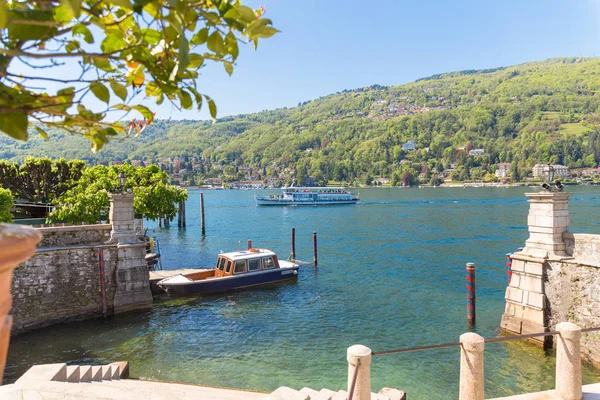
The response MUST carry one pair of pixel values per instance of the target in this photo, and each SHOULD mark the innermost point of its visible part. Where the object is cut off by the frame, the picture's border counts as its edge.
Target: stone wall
(61, 285)
(74, 235)
(61, 282)
(556, 277)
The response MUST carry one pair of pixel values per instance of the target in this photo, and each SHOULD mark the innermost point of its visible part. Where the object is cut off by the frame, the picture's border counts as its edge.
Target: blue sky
(329, 45)
(326, 46)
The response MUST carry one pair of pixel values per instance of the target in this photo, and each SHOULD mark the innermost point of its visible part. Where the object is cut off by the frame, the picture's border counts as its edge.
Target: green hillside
(539, 112)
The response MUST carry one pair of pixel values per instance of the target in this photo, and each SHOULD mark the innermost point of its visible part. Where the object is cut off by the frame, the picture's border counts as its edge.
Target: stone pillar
(526, 303)
(548, 219)
(568, 362)
(17, 244)
(362, 387)
(471, 367)
(132, 279)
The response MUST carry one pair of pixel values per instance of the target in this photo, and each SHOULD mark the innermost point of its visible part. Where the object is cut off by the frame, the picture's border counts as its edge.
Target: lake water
(391, 274)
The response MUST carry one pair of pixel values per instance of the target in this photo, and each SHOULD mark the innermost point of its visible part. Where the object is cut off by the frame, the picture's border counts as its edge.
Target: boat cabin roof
(248, 254)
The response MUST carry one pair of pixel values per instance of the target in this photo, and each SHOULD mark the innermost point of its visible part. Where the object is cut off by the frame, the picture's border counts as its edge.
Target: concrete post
(362, 385)
(568, 362)
(132, 290)
(471, 367)
(548, 219)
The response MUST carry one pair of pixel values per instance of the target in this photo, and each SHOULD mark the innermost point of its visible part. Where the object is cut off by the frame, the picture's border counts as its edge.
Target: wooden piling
(315, 249)
(202, 213)
(184, 216)
(180, 215)
(293, 243)
(471, 294)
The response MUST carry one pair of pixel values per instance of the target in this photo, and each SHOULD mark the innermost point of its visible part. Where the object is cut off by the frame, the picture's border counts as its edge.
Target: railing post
(359, 357)
(471, 367)
(568, 361)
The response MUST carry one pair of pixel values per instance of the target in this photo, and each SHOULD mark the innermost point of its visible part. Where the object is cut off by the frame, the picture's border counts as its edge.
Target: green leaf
(73, 5)
(145, 111)
(184, 54)
(15, 125)
(212, 107)
(215, 42)
(102, 63)
(42, 132)
(151, 36)
(228, 67)
(185, 99)
(200, 37)
(212, 18)
(123, 3)
(63, 13)
(72, 46)
(242, 12)
(232, 45)
(196, 60)
(100, 91)
(113, 42)
(28, 31)
(152, 89)
(264, 32)
(84, 32)
(118, 89)
(3, 15)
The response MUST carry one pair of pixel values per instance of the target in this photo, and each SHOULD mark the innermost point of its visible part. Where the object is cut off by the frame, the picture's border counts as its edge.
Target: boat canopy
(247, 254)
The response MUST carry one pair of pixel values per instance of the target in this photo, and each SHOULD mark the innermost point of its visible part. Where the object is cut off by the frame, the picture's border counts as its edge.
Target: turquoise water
(391, 274)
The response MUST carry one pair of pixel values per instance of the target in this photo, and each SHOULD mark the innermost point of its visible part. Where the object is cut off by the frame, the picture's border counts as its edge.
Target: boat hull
(230, 283)
(280, 202)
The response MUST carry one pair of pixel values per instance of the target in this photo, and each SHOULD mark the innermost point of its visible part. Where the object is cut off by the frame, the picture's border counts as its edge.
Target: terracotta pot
(17, 244)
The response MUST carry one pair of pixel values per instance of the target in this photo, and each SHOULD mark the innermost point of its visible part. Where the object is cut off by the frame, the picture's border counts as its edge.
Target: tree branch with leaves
(125, 50)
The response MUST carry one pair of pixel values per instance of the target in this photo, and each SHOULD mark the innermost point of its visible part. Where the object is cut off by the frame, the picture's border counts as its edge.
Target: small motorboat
(234, 271)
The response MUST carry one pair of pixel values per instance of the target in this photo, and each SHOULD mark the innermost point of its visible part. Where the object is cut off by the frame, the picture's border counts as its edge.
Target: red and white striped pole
(471, 293)
(102, 281)
(509, 265)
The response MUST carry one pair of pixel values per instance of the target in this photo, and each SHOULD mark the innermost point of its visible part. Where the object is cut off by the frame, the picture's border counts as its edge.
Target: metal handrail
(351, 392)
(490, 340)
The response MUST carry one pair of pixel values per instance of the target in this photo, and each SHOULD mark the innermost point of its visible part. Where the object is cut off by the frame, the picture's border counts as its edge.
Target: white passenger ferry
(308, 196)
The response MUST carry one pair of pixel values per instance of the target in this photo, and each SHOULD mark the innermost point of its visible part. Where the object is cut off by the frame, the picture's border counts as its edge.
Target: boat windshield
(221, 263)
(228, 269)
(240, 266)
(268, 263)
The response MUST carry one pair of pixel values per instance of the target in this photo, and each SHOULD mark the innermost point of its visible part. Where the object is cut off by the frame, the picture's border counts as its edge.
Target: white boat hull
(284, 202)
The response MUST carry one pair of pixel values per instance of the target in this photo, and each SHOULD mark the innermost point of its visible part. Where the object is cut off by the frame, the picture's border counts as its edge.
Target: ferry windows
(254, 265)
(229, 264)
(268, 263)
(240, 266)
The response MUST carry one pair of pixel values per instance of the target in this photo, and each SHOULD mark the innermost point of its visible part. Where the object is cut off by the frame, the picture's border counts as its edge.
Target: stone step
(324, 394)
(73, 374)
(85, 373)
(164, 390)
(311, 392)
(393, 394)
(96, 373)
(106, 372)
(286, 393)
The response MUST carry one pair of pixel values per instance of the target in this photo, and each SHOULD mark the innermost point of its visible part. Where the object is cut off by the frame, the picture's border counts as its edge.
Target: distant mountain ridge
(525, 114)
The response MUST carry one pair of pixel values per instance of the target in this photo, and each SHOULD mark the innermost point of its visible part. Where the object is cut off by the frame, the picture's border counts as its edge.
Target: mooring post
(568, 361)
(471, 293)
(202, 213)
(293, 243)
(315, 248)
(167, 222)
(509, 265)
(249, 244)
(180, 215)
(359, 372)
(471, 367)
(183, 219)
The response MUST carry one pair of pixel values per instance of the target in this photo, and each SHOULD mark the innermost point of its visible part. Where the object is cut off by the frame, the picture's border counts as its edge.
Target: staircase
(286, 393)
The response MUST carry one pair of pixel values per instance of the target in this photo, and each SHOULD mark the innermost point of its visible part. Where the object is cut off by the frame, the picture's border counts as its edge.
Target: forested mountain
(539, 112)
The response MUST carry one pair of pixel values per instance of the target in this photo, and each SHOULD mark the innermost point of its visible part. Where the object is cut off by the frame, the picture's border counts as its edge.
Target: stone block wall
(75, 235)
(60, 285)
(573, 295)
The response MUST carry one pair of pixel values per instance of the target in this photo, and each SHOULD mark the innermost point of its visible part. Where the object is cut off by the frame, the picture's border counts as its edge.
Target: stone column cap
(17, 244)
(567, 327)
(359, 352)
(472, 342)
(548, 196)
